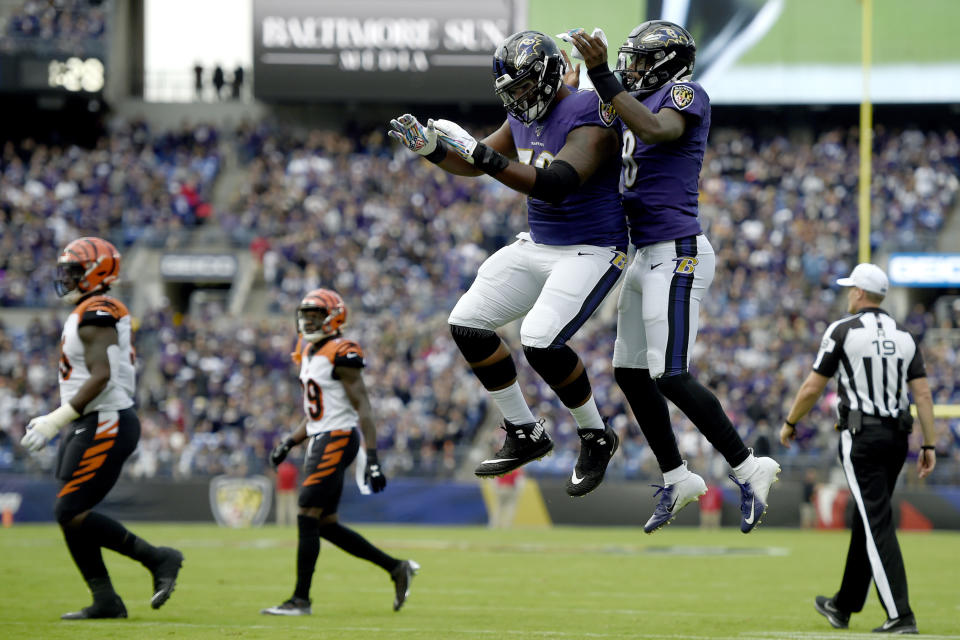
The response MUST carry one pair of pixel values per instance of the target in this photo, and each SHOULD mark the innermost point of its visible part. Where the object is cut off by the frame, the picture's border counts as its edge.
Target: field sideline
(562, 583)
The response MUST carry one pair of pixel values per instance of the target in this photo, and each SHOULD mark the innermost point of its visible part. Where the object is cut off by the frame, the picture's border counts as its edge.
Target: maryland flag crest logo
(607, 113)
(240, 502)
(682, 96)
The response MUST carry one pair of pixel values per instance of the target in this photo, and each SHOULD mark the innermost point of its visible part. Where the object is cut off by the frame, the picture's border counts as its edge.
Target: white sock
(587, 415)
(512, 405)
(676, 475)
(746, 468)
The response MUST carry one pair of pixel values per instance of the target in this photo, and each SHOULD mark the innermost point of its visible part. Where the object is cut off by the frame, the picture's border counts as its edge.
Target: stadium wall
(438, 502)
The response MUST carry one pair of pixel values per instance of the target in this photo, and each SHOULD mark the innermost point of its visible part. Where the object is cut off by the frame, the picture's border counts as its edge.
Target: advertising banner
(376, 50)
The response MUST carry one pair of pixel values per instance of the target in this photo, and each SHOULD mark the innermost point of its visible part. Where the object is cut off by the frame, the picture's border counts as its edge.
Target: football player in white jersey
(335, 404)
(96, 372)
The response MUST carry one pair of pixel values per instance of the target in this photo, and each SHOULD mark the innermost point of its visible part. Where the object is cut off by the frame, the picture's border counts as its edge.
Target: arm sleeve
(554, 183)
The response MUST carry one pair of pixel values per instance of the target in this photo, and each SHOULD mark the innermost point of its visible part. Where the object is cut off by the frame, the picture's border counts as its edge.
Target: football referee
(875, 362)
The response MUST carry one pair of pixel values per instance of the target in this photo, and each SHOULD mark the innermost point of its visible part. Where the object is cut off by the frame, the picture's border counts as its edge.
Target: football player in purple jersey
(558, 145)
(666, 121)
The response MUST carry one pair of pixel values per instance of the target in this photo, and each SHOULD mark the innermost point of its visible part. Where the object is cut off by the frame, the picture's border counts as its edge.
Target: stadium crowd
(135, 185)
(400, 240)
(67, 26)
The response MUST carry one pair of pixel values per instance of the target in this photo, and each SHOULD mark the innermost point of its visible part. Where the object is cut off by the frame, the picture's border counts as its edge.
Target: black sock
(113, 535)
(86, 555)
(650, 408)
(704, 410)
(308, 549)
(355, 544)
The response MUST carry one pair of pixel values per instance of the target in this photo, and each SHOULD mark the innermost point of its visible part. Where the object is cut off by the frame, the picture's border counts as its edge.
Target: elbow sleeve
(556, 182)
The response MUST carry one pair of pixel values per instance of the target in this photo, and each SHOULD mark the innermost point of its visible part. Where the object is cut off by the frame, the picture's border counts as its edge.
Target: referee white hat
(868, 277)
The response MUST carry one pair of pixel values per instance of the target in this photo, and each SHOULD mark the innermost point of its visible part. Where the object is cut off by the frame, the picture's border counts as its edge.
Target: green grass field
(561, 583)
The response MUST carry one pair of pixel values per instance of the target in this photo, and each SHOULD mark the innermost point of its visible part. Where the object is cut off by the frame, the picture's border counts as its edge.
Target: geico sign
(199, 266)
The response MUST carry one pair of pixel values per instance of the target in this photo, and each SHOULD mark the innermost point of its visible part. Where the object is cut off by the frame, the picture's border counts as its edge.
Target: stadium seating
(400, 240)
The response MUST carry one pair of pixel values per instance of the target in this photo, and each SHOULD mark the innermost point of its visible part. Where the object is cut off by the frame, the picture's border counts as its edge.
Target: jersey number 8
(629, 164)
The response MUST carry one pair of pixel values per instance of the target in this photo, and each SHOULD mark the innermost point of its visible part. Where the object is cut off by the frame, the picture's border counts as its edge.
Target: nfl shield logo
(682, 95)
(240, 502)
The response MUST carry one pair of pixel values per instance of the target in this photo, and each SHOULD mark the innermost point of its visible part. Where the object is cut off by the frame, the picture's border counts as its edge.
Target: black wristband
(437, 155)
(605, 82)
(488, 160)
(928, 447)
(792, 425)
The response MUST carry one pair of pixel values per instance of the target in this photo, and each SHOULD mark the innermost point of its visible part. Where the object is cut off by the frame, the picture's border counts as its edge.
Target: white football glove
(575, 54)
(42, 429)
(413, 135)
(456, 138)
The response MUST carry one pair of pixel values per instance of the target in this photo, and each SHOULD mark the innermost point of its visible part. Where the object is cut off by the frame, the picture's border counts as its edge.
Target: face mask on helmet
(528, 73)
(69, 275)
(86, 266)
(310, 323)
(655, 53)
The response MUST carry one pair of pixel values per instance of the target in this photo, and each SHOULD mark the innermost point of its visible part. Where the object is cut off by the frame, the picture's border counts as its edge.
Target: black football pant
(872, 460)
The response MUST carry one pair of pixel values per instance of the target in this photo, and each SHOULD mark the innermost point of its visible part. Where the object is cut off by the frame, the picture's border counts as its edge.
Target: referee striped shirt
(874, 359)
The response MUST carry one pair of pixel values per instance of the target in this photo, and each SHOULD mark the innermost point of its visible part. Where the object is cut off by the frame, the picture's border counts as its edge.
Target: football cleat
(165, 575)
(828, 609)
(903, 624)
(402, 576)
(292, 607)
(524, 443)
(108, 608)
(596, 449)
(673, 498)
(753, 492)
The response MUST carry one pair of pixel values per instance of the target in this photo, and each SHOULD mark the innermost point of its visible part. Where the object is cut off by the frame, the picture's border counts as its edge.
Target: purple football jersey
(660, 181)
(593, 214)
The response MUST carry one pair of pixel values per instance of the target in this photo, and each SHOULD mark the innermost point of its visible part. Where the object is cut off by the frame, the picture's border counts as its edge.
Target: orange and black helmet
(321, 313)
(86, 265)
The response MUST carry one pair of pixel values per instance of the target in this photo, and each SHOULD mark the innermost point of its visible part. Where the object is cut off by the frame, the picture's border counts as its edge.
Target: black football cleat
(596, 449)
(402, 576)
(99, 610)
(524, 443)
(165, 575)
(903, 624)
(293, 607)
(828, 609)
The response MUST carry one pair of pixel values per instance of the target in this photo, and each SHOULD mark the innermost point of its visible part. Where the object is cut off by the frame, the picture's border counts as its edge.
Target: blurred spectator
(198, 80)
(236, 83)
(507, 490)
(808, 510)
(286, 494)
(711, 506)
(218, 81)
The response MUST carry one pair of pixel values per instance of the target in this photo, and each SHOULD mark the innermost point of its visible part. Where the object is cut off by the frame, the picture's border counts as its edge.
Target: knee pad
(635, 380)
(475, 344)
(555, 366)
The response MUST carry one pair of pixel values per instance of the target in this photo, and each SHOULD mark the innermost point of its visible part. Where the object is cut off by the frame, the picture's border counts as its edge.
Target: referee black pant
(872, 460)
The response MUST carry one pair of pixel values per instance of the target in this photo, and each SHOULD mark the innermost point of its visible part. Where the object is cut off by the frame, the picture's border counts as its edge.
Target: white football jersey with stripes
(325, 402)
(73, 371)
